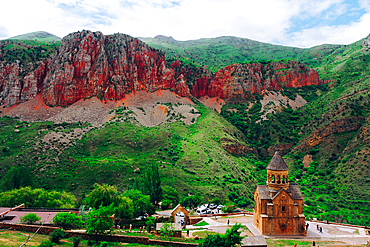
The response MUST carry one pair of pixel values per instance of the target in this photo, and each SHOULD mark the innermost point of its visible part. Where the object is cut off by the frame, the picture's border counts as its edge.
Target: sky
(299, 23)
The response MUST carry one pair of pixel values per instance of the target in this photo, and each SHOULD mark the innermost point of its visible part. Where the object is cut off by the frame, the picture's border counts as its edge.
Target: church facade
(278, 204)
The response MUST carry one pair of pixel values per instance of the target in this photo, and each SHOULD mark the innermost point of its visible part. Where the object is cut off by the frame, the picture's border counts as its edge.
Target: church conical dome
(277, 163)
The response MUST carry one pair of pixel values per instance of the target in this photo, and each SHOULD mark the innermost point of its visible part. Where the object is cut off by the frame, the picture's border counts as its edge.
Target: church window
(273, 178)
(278, 179)
(282, 208)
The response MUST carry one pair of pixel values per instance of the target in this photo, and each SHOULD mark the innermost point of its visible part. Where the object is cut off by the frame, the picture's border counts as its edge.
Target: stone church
(278, 204)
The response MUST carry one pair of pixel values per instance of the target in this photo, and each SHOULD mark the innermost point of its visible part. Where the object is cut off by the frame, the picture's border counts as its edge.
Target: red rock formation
(234, 147)
(14, 88)
(91, 64)
(336, 126)
(238, 80)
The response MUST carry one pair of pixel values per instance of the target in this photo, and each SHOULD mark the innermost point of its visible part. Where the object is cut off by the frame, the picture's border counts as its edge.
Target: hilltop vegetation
(216, 53)
(40, 36)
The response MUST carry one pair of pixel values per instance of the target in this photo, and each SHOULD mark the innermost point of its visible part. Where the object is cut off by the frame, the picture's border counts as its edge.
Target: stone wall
(46, 230)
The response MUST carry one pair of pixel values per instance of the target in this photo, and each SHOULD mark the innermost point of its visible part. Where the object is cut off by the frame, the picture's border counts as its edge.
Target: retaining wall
(46, 230)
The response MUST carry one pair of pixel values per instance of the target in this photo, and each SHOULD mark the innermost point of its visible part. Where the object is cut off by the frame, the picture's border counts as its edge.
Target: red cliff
(91, 64)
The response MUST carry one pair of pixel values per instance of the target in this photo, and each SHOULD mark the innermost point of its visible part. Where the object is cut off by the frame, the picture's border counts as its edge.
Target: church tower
(278, 204)
(277, 173)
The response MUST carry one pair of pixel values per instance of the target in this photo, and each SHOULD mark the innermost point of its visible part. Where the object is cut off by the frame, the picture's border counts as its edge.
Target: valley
(100, 109)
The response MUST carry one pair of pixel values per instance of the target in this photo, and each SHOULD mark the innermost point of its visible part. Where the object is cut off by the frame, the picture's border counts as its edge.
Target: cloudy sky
(300, 23)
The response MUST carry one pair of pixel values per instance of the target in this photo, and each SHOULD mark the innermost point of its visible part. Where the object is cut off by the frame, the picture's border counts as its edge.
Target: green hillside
(216, 53)
(38, 36)
(190, 157)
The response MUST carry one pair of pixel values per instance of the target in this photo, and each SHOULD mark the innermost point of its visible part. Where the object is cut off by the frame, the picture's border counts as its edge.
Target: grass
(202, 223)
(203, 234)
(190, 157)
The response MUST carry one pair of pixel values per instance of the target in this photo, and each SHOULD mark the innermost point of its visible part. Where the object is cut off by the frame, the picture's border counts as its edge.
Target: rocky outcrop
(283, 148)
(366, 42)
(336, 126)
(234, 147)
(239, 80)
(109, 67)
(14, 88)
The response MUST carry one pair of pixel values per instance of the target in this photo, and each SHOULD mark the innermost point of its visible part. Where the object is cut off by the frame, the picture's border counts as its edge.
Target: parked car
(202, 211)
(237, 211)
(212, 206)
(220, 206)
(180, 214)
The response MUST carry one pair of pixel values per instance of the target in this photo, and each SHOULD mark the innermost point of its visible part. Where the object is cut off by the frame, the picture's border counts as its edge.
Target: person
(313, 243)
(320, 229)
(307, 225)
(317, 227)
(228, 222)
(187, 233)
(295, 244)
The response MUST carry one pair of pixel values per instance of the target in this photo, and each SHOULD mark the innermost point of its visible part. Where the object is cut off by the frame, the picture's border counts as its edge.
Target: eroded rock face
(239, 80)
(234, 147)
(14, 88)
(283, 148)
(110, 67)
(336, 126)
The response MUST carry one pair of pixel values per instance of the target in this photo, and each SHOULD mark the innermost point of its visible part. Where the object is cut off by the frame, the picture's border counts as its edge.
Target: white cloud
(264, 20)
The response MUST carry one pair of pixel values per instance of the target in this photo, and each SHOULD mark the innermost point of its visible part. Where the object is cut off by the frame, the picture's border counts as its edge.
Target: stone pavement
(331, 232)
(347, 234)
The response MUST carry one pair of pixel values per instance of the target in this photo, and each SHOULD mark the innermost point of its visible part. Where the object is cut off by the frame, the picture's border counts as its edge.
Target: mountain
(219, 52)
(37, 36)
(91, 64)
(107, 105)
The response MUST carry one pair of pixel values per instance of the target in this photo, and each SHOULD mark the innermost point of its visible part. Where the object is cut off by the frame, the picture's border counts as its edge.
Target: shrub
(30, 218)
(76, 241)
(46, 244)
(150, 221)
(68, 220)
(57, 235)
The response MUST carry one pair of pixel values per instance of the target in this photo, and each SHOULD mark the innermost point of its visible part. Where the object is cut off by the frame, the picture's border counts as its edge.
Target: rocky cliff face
(336, 126)
(91, 64)
(239, 80)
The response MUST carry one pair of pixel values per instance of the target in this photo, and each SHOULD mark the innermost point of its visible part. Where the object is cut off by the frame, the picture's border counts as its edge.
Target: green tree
(150, 221)
(16, 178)
(152, 185)
(57, 235)
(213, 240)
(30, 218)
(105, 195)
(167, 229)
(37, 198)
(171, 195)
(68, 220)
(191, 201)
(99, 221)
(230, 239)
(141, 202)
(232, 236)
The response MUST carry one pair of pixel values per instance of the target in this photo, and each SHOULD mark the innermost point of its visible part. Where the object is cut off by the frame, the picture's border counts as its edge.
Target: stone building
(278, 204)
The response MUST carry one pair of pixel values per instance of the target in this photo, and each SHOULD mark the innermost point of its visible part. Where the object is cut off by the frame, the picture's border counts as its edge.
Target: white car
(220, 206)
(202, 211)
(180, 214)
